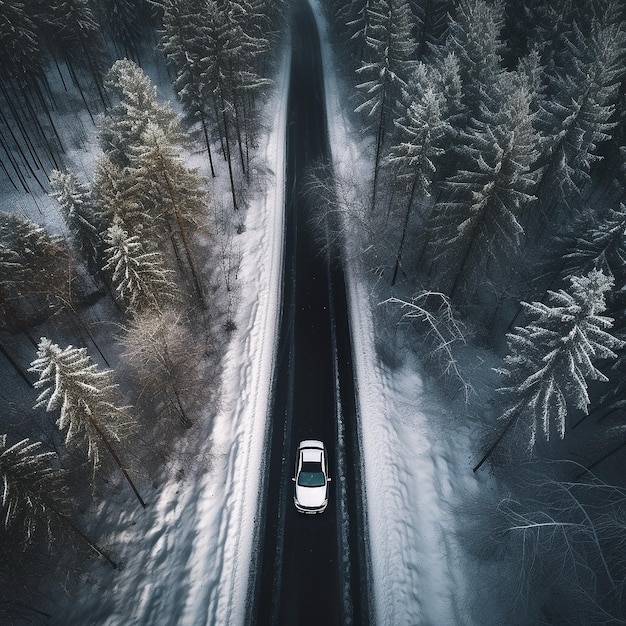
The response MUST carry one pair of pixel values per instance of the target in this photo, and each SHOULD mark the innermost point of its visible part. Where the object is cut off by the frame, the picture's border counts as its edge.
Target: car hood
(311, 496)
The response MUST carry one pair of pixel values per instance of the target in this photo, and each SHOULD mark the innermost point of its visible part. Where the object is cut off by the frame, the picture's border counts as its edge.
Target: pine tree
(480, 217)
(474, 39)
(421, 132)
(34, 491)
(34, 268)
(431, 17)
(114, 194)
(601, 245)
(552, 357)
(122, 129)
(75, 36)
(576, 113)
(21, 57)
(163, 181)
(183, 41)
(390, 44)
(86, 398)
(140, 278)
(81, 217)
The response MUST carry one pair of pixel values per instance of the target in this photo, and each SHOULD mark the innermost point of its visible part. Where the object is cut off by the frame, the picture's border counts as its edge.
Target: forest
(494, 225)
(494, 229)
(114, 316)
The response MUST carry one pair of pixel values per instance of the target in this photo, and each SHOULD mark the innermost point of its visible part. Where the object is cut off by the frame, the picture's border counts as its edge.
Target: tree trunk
(496, 443)
(70, 524)
(404, 230)
(117, 460)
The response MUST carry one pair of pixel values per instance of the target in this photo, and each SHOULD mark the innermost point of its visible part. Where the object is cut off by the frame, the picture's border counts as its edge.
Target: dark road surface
(310, 568)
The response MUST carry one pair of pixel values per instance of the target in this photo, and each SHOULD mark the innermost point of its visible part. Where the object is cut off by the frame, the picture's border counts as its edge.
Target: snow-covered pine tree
(354, 17)
(421, 134)
(123, 21)
(479, 218)
(34, 492)
(601, 245)
(140, 278)
(431, 17)
(21, 57)
(87, 399)
(183, 41)
(576, 112)
(124, 125)
(474, 39)
(114, 195)
(390, 45)
(34, 268)
(552, 357)
(81, 216)
(162, 181)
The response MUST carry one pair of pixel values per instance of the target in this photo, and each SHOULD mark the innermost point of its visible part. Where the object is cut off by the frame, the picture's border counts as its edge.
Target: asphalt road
(311, 569)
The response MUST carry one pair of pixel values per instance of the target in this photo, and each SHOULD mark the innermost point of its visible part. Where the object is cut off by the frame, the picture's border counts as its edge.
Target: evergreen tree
(140, 278)
(21, 57)
(552, 357)
(474, 39)
(34, 268)
(33, 491)
(122, 20)
(431, 17)
(75, 36)
(164, 182)
(601, 245)
(122, 129)
(86, 398)
(81, 216)
(480, 218)
(390, 45)
(113, 194)
(576, 113)
(421, 133)
(183, 41)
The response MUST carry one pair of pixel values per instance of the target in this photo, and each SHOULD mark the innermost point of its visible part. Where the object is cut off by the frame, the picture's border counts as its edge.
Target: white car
(311, 490)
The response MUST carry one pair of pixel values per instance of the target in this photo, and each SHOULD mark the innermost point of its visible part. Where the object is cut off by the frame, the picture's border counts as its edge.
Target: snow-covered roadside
(415, 453)
(185, 559)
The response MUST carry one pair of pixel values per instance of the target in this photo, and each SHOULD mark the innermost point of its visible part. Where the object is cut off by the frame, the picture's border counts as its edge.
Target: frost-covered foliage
(35, 268)
(483, 209)
(384, 71)
(126, 122)
(164, 355)
(580, 101)
(140, 278)
(81, 216)
(552, 357)
(85, 396)
(602, 245)
(33, 489)
(474, 39)
(421, 140)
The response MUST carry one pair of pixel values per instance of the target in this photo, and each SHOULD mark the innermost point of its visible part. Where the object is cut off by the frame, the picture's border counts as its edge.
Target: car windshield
(311, 475)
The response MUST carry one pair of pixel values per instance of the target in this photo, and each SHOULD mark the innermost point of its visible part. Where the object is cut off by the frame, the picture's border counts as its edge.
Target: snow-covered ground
(185, 558)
